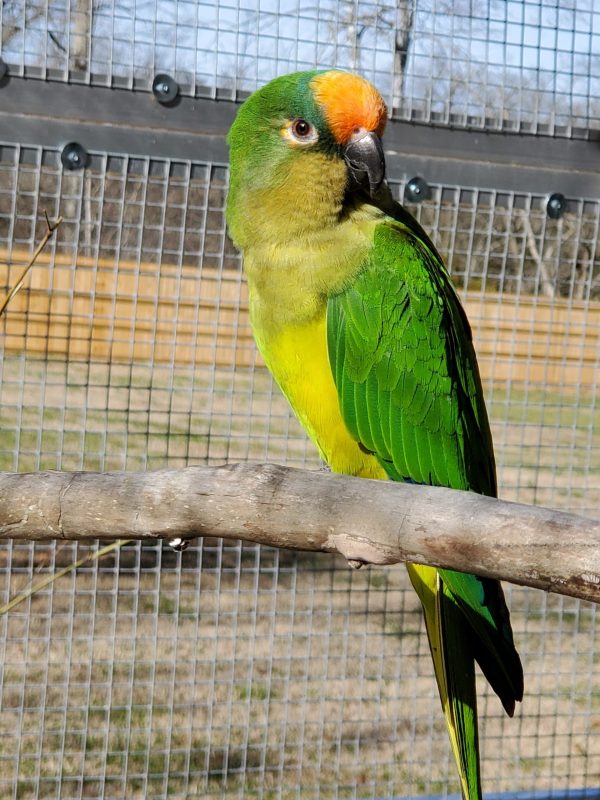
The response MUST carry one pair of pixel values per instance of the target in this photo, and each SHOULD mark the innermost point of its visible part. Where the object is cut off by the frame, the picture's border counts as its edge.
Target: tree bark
(372, 522)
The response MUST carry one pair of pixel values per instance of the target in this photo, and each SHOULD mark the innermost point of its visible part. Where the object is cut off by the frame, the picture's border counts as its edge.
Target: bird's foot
(355, 563)
(178, 544)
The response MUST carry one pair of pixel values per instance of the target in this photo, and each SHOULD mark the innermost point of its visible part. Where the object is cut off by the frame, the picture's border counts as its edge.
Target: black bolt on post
(556, 205)
(165, 89)
(74, 156)
(416, 190)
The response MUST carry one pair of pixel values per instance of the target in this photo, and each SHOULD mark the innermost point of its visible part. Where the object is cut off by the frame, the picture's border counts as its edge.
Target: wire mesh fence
(517, 65)
(232, 670)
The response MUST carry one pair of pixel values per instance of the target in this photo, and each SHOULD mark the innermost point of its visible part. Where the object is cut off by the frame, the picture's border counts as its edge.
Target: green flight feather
(482, 601)
(461, 678)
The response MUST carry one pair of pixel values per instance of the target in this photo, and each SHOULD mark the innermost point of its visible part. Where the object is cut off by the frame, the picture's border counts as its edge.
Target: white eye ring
(302, 132)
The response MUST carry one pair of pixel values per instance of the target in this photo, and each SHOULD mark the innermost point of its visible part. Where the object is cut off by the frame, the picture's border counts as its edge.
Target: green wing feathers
(409, 388)
(405, 369)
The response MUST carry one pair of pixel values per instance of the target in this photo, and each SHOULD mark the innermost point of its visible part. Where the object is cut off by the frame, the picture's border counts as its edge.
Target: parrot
(357, 319)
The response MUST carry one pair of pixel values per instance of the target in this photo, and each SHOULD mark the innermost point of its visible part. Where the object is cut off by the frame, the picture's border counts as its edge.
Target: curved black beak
(366, 162)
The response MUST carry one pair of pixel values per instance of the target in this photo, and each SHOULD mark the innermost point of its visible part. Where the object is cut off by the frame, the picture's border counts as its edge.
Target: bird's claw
(178, 544)
(355, 563)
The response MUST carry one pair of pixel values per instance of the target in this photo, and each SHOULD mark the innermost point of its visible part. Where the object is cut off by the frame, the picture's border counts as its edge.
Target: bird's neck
(290, 280)
(301, 242)
(293, 200)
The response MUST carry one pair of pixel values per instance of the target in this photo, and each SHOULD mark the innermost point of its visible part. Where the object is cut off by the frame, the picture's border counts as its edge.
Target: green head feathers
(287, 151)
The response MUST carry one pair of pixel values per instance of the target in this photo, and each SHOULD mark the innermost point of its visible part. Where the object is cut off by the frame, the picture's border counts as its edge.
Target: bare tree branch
(15, 19)
(584, 267)
(82, 12)
(402, 40)
(56, 42)
(373, 522)
(50, 228)
(546, 281)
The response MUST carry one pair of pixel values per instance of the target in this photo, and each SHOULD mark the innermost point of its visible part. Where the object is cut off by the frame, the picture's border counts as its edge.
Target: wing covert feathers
(405, 369)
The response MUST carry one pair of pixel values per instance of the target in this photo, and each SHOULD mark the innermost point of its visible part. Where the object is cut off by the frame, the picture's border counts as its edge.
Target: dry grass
(244, 676)
(253, 673)
(115, 416)
(78, 415)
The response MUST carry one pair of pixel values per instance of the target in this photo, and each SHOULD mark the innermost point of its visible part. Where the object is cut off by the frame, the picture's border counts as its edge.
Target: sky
(510, 59)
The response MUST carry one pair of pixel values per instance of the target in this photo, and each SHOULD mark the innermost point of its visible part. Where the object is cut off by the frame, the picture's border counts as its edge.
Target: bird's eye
(301, 128)
(303, 131)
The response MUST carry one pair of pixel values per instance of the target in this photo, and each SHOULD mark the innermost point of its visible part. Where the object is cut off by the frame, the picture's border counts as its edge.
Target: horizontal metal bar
(114, 120)
(504, 162)
(539, 794)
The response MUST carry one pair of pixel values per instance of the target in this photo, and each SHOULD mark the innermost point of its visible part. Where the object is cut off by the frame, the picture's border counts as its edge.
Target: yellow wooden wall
(101, 310)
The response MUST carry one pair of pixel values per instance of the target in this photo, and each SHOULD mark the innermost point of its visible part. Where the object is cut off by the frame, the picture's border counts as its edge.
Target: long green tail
(454, 666)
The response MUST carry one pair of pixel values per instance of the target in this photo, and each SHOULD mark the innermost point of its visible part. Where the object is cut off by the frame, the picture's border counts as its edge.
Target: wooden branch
(372, 522)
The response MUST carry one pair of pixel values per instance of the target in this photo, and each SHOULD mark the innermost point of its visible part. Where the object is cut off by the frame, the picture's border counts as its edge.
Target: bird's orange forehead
(349, 102)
